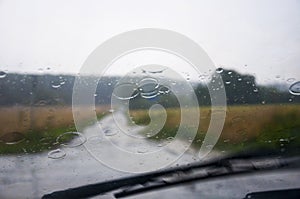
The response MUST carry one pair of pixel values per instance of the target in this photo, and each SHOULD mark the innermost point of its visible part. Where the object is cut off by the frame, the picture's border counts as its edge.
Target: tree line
(38, 90)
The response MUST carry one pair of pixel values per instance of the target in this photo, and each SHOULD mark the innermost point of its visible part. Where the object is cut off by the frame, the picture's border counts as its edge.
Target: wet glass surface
(151, 109)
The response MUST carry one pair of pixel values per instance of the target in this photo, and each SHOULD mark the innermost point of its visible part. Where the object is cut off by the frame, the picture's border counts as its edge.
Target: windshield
(94, 91)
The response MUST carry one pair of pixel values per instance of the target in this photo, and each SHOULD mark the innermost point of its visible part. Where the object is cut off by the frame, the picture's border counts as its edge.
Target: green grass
(279, 132)
(36, 141)
(283, 133)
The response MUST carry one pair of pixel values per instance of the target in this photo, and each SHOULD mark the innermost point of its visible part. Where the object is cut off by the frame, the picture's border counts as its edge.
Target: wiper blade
(241, 163)
(227, 169)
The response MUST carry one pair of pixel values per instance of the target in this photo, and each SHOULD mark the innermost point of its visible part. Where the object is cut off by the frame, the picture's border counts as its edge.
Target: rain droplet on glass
(94, 140)
(125, 91)
(148, 88)
(12, 138)
(56, 154)
(295, 88)
(219, 70)
(71, 139)
(2, 74)
(109, 132)
(291, 80)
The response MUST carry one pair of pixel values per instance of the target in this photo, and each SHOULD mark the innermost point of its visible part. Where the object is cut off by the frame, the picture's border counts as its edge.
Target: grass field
(271, 125)
(35, 129)
(23, 119)
(275, 126)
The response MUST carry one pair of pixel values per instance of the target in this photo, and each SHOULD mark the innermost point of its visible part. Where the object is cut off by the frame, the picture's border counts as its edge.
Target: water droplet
(148, 84)
(239, 79)
(148, 87)
(125, 91)
(109, 132)
(156, 71)
(295, 88)
(255, 90)
(2, 74)
(160, 145)
(94, 140)
(291, 80)
(277, 76)
(149, 95)
(142, 150)
(229, 72)
(204, 77)
(41, 103)
(95, 95)
(170, 139)
(12, 138)
(55, 85)
(111, 110)
(56, 154)
(227, 82)
(198, 141)
(219, 70)
(164, 90)
(71, 139)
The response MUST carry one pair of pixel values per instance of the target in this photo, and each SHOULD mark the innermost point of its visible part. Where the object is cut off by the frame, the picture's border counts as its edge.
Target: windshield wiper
(241, 163)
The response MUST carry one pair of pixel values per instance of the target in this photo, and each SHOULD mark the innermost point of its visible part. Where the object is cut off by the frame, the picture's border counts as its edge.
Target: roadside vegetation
(274, 126)
(36, 109)
(35, 129)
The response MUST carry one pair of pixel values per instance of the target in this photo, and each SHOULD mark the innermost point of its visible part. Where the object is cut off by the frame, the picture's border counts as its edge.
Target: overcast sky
(264, 35)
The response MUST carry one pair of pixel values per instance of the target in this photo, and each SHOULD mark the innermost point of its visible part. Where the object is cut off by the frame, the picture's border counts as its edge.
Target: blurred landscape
(35, 109)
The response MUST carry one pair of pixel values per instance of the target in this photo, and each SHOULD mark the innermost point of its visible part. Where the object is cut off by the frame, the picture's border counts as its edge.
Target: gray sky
(262, 34)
